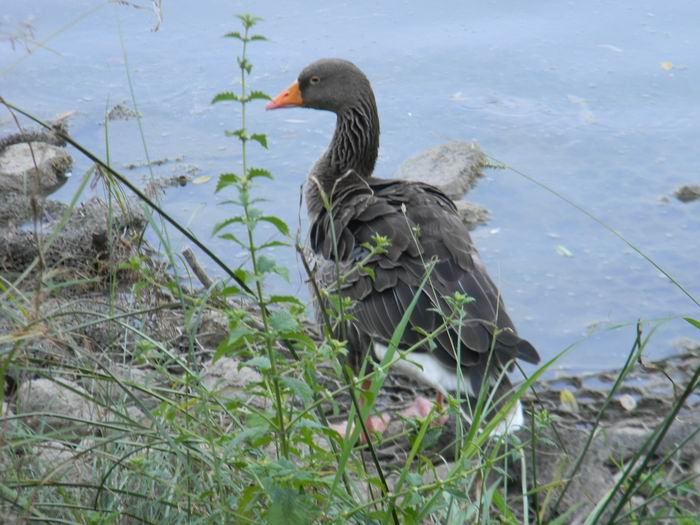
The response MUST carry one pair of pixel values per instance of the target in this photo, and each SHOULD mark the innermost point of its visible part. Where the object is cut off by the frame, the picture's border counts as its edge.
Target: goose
(348, 208)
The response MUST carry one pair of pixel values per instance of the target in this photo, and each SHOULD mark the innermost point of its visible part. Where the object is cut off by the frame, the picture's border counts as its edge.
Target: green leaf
(694, 322)
(240, 133)
(230, 291)
(272, 244)
(234, 34)
(259, 138)
(299, 388)
(283, 321)
(221, 225)
(259, 172)
(261, 362)
(248, 20)
(289, 508)
(285, 299)
(265, 264)
(236, 339)
(225, 96)
(277, 223)
(225, 180)
(242, 274)
(231, 237)
(257, 38)
(257, 95)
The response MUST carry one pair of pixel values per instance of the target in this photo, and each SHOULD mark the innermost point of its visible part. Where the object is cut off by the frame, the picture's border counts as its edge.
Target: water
(594, 99)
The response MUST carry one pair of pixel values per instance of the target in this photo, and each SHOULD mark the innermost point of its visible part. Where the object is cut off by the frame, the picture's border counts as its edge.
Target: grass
(135, 427)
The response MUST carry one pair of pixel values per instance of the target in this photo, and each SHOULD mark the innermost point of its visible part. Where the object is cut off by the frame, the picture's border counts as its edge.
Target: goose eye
(314, 80)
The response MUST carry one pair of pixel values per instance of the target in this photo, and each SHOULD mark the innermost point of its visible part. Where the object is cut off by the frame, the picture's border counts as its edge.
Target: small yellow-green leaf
(667, 66)
(568, 400)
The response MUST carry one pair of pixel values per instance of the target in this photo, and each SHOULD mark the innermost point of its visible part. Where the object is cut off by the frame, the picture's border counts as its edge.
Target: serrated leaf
(283, 321)
(248, 20)
(277, 223)
(257, 95)
(260, 362)
(260, 139)
(225, 96)
(257, 38)
(568, 400)
(226, 179)
(693, 322)
(299, 388)
(259, 172)
(234, 34)
(201, 180)
(223, 224)
(284, 299)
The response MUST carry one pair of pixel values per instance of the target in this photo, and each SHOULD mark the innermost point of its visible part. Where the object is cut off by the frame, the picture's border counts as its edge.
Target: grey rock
(80, 244)
(228, 381)
(22, 166)
(452, 167)
(110, 391)
(16, 209)
(51, 401)
(472, 214)
(55, 461)
(688, 192)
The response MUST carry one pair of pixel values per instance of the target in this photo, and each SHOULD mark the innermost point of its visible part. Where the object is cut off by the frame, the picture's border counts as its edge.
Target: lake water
(598, 100)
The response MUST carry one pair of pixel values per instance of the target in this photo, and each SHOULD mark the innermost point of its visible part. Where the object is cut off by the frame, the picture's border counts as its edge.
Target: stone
(224, 378)
(452, 167)
(688, 193)
(18, 168)
(51, 400)
(110, 391)
(472, 214)
(55, 461)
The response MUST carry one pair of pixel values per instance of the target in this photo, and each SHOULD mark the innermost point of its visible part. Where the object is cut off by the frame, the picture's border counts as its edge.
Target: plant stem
(245, 202)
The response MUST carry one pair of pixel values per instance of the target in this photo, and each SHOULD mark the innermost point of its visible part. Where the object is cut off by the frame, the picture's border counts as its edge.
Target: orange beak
(289, 98)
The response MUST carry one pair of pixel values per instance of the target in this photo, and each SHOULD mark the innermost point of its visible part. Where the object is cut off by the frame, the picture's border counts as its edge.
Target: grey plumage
(422, 225)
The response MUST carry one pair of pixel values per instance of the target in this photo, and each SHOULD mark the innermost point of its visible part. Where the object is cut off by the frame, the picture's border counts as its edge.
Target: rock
(54, 461)
(49, 400)
(472, 214)
(213, 328)
(81, 244)
(110, 391)
(18, 169)
(226, 380)
(16, 209)
(688, 192)
(452, 167)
